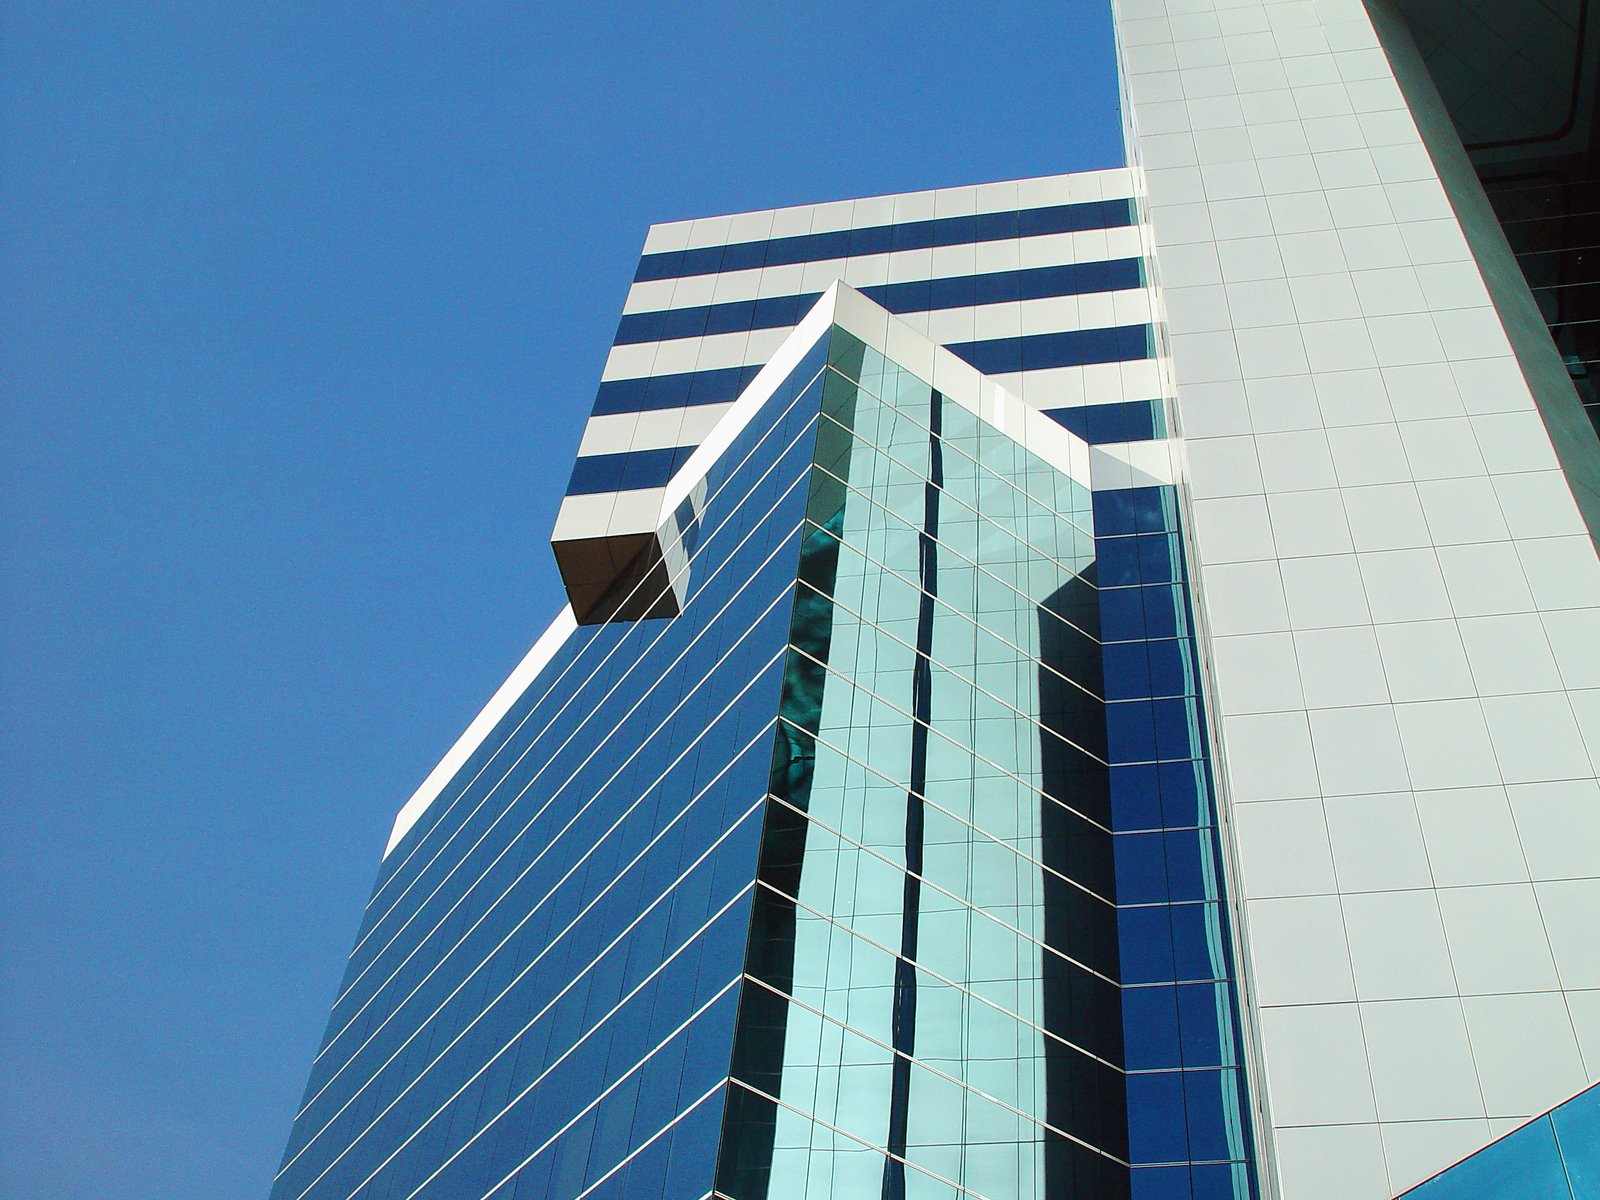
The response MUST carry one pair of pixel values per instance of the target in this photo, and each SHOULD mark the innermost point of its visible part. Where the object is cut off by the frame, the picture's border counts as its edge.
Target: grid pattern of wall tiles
(1400, 597)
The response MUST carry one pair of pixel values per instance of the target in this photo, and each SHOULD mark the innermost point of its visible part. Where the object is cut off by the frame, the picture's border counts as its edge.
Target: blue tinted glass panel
(1221, 1181)
(1577, 1126)
(1523, 1165)
(1556, 1155)
(1072, 348)
(626, 472)
(1141, 868)
(1145, 936)
(1157, 1121)
(1205, 1021)
(1150, 1024)
(1161, 1183)
(672, 391)
(1133, 510)
(1136, 797)
(1125, 421)
(1165, 858)
(554, 945)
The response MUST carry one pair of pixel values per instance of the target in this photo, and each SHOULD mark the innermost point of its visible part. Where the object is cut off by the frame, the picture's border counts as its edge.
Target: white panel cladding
(654, 429)
(1395, 576)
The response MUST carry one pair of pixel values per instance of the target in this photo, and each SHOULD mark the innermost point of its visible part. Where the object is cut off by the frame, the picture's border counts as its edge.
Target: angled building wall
(887, 864)
(1387, 485)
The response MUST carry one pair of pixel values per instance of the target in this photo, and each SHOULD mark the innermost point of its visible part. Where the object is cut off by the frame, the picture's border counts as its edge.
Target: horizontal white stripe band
(1015, 318)
(653, 429)
(901, 266)
(1082, 187)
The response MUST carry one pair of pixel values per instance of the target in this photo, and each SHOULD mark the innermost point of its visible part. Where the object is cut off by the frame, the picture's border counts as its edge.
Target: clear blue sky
(301, 311)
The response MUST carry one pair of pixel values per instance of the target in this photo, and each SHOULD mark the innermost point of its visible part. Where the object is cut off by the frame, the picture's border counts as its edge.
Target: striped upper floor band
(1068, 348)
(916, 296)
(1119, 421)
(885, 239)
(650, 393)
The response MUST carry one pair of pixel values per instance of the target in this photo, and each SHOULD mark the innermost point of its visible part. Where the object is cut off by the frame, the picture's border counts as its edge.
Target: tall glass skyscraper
(1079, 687)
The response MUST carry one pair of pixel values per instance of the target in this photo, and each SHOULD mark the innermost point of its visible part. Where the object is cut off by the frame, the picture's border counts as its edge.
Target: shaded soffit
(1517, 76)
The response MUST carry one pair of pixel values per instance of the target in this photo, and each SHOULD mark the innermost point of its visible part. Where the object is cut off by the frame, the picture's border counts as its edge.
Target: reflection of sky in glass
(968, 608)
(545, 985)
(1555, 1157)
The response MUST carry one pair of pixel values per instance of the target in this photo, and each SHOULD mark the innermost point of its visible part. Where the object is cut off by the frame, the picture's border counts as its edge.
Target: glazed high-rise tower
(1078, 687)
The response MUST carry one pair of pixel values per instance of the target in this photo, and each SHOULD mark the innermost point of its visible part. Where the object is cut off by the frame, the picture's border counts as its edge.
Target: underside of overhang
(1521, 82)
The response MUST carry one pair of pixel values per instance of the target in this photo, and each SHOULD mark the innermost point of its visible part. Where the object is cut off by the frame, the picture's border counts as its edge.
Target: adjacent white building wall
(1401, 600)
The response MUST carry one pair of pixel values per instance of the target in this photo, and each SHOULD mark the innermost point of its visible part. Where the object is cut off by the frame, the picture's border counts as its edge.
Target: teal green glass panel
(939, 793)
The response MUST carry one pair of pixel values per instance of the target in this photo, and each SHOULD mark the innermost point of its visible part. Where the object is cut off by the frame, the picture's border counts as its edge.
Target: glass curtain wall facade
(874, 870)
(1188, 1096)
(1040, 284)
(932, 1007)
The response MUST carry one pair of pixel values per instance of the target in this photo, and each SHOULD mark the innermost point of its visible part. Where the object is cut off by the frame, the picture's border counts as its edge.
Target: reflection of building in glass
(946, 781)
